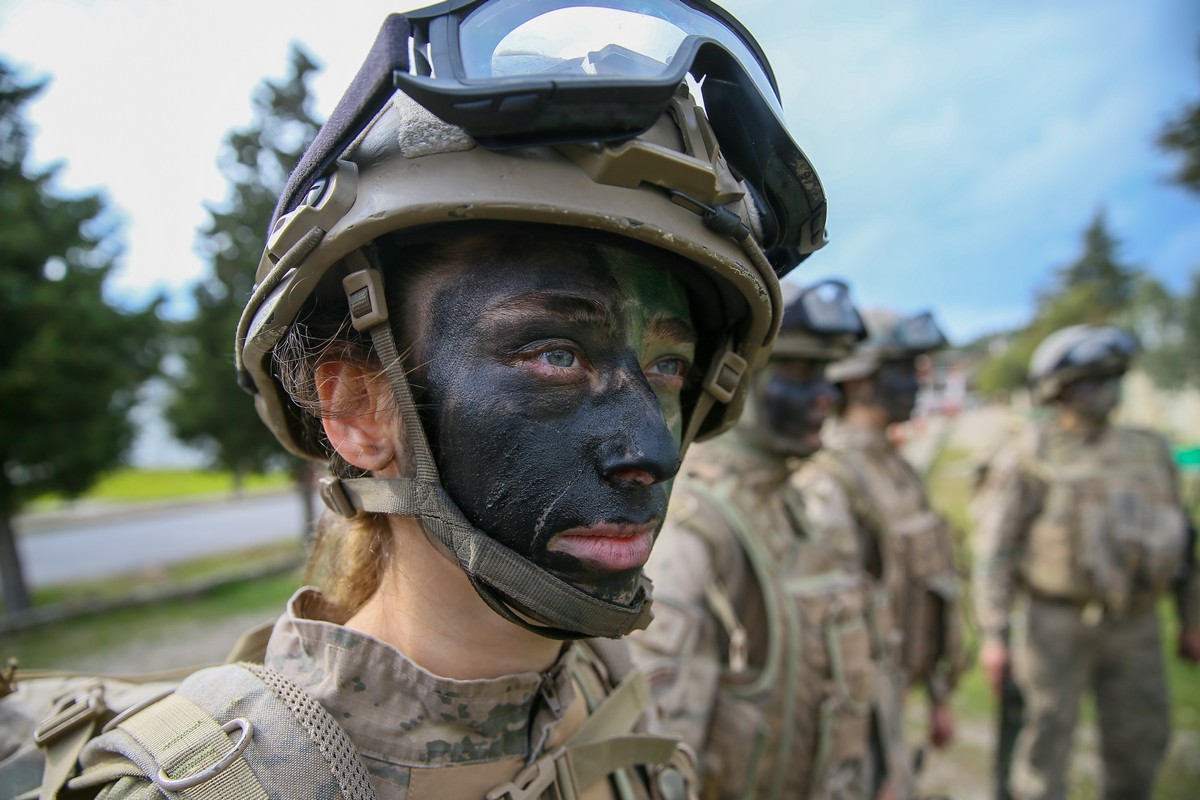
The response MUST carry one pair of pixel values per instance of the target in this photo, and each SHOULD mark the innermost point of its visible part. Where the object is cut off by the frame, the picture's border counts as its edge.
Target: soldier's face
(795, 399)
(1094, 398)
(896, 388)
(551, 397)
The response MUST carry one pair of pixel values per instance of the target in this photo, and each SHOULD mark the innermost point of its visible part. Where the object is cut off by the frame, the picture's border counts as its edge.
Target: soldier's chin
(614, 587)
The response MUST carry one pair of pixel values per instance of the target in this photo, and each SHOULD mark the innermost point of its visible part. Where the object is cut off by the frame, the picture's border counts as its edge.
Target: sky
(964, 147)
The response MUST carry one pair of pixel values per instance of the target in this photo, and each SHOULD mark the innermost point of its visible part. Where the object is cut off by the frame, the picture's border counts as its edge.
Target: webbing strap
(185, 740)
(62, 758)
(487, 560)
(604, 744)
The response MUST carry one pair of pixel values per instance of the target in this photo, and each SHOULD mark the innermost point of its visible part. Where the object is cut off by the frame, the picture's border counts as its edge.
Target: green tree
(71, 362)
(1182, 136)
(1094, 288)
(207, 408)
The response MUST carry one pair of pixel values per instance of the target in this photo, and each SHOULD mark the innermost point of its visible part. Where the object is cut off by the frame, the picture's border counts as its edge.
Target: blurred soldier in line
(759, 654)
(861, 491)
(1080, 527)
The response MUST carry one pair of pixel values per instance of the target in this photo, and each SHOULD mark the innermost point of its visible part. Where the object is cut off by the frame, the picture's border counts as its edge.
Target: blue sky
(963, 146)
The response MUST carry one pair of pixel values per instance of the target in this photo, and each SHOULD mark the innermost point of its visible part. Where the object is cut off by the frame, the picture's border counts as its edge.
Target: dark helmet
(1075, 352)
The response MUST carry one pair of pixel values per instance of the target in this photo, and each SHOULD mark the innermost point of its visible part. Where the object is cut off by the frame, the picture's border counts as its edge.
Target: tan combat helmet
(1075, 352)
(385, 163)
(889, 337)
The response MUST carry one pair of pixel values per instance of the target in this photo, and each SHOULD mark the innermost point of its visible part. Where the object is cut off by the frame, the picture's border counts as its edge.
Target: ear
(358, 415)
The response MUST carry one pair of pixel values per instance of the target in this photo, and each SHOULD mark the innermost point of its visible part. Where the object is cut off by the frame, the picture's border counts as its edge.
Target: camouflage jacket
(1029, 508)
(405, 732)
(861, 493)
(737, 655)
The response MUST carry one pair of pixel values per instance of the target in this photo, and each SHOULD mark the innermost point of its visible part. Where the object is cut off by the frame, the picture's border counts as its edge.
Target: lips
(608, 545)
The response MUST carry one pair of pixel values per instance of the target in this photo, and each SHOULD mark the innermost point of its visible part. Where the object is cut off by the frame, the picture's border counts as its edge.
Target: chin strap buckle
(725, 375)
(334, 496)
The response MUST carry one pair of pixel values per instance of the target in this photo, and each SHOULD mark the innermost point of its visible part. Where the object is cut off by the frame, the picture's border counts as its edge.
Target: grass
(140, 485)
(65, 644)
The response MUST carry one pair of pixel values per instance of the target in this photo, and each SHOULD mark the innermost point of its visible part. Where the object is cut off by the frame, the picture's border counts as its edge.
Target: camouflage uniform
(416, 734)
(746, 605)
(859, 491)
(1082, 533)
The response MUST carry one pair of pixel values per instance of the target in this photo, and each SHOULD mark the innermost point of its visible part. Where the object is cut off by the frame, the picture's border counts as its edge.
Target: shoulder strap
(192, 740)
(605, 744)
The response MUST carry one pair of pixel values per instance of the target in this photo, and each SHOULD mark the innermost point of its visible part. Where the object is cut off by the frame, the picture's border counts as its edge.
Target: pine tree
(208, 408)
(1093, 289)
(71, 363)
(1182, 136)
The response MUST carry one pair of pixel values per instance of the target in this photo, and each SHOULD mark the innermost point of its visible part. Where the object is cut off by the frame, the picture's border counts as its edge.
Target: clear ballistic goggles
(516, 73)
(918, 333)
(825, 309)
(1102, 344)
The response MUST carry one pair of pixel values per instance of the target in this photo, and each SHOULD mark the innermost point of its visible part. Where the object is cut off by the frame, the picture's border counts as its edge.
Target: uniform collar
(396, 711)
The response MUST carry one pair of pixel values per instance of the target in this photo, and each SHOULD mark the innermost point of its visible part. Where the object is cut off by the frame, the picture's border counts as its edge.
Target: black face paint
(896, 386)
(794, 400)
(1093, 397)
(552, 403)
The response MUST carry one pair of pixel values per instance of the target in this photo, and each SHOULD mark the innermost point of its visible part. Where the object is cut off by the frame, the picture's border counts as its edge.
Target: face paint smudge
(562, 411)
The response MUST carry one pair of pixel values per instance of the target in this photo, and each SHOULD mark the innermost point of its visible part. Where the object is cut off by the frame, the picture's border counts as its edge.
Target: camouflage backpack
(919, 571)
(791, 721)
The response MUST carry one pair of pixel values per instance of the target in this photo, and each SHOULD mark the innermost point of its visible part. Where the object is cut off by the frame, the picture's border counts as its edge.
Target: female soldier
(512, 278)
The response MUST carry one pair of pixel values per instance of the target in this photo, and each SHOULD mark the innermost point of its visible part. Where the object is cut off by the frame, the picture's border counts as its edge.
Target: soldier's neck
(866, 416)
(426, 608)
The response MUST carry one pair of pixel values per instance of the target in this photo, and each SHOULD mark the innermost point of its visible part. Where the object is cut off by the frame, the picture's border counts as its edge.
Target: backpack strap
(605, 744)
(198, 742)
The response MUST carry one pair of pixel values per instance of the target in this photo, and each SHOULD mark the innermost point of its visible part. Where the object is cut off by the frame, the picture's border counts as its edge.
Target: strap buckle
(364, 290)
(245, 733)
(725, 375)
(552, 769)
(69, 713)
(334, 496)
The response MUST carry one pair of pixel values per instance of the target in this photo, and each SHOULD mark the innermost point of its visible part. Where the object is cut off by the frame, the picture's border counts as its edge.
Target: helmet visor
(1102, 345)
(514, 73)
(919, 333)
(825, 308)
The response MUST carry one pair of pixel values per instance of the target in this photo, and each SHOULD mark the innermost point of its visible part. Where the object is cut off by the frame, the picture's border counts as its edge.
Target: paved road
(119, 543)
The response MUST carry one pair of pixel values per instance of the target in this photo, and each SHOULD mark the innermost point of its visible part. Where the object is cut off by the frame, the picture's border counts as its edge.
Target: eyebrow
(672, 329)
(572, 308)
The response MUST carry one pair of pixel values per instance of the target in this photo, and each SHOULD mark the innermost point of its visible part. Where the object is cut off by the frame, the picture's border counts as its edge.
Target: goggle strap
(370, 90)
(501, 577)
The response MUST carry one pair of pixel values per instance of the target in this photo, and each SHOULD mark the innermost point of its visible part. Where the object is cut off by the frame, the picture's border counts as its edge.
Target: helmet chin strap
(514, 587)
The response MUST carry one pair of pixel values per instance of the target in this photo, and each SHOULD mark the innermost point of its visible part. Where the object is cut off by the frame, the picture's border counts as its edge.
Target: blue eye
(669, 366)
(558, 358)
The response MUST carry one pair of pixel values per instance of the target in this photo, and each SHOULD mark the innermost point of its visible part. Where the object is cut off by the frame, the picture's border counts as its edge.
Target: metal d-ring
(173, 785)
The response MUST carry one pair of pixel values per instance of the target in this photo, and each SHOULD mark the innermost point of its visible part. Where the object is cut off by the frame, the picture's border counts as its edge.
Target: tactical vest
(1111, 529)
(791, 718)
(917, 547)
(242, 731)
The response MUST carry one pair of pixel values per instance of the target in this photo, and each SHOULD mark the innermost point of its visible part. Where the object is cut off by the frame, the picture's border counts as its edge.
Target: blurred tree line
(73, 361)
(1098, 287)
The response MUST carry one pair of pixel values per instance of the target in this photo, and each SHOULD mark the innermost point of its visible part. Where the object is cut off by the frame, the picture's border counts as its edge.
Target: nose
(640, 450)
(825, 396)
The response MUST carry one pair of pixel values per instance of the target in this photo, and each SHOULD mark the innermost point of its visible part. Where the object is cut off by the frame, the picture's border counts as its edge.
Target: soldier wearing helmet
(860, 491)
(759, 655)
(516, 274)
(1079, 532)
